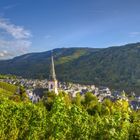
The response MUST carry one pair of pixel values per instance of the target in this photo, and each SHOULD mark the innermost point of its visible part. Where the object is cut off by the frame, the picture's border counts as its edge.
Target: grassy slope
(5, 93)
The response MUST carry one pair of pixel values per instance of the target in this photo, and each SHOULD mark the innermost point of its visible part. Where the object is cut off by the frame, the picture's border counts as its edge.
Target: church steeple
(52, 83)
(52, 72)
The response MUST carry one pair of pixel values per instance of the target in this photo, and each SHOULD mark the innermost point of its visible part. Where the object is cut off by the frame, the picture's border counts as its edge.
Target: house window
(51, 86)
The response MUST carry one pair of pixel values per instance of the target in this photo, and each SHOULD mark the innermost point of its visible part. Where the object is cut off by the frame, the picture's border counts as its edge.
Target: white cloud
(4, 54)
(134, 34)
(11, 6)
(14, 40)
(17, 32)
(48, 36)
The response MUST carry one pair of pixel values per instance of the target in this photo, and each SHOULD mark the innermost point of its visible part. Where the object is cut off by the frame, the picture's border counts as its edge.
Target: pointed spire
(53, 75)
(52, 83)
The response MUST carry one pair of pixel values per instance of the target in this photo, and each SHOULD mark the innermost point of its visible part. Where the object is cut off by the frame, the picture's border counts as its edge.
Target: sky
(41, 25)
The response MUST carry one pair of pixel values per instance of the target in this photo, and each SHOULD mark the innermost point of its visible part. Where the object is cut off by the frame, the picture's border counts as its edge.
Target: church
(53, 83)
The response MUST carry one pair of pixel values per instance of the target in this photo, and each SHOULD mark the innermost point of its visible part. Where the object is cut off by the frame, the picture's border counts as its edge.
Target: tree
(58, 121)
(78, 100)
(48, 100)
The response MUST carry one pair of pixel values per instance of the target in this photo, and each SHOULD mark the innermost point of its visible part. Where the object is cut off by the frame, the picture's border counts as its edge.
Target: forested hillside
(116, 67)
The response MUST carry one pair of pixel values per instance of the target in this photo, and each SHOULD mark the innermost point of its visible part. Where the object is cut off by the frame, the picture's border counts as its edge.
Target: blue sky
(41, 25)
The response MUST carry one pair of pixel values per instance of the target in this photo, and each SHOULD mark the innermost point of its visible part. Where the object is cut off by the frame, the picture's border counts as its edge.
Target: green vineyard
(8, 87)
(60, 118)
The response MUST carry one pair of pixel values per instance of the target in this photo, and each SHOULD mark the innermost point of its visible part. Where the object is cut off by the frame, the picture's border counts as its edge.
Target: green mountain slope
(37, 65)
(117, 67)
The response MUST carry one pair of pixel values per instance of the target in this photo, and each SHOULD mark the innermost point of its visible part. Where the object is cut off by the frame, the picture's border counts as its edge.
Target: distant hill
(117, 67)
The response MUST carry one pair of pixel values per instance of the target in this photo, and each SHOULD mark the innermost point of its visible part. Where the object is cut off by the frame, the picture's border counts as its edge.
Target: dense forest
(64, 118)
(115, 67)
